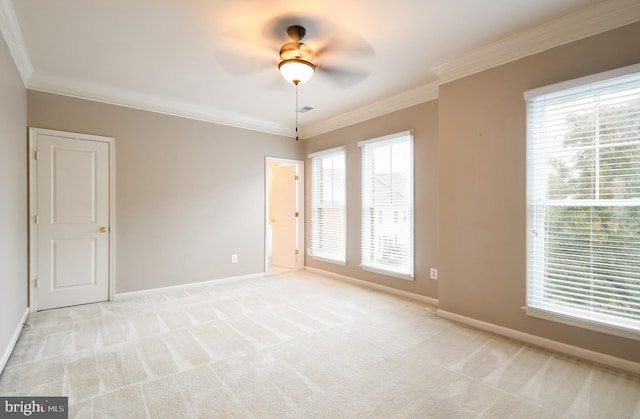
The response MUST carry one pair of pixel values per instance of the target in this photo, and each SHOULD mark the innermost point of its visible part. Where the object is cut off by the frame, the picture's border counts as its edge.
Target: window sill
(582, 323)
(406, 277)
(327, 260)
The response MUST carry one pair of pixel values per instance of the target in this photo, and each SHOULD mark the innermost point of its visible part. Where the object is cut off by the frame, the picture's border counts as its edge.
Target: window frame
(370, 221)
(537, 304)
(314, 252)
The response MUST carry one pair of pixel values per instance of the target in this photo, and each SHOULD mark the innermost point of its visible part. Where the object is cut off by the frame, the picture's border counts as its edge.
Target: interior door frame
(301, 218)
(33, 228)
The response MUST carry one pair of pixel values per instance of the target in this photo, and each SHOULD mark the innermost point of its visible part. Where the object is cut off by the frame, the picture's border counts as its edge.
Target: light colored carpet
(301, 346)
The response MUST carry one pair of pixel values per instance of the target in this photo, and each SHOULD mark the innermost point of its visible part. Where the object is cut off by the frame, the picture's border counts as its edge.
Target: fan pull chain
(296, 111)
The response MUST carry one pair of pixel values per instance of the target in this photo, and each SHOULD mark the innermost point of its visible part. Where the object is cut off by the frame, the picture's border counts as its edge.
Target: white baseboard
(134, 294)
(13, 341)
(597, 357)
(388, 290)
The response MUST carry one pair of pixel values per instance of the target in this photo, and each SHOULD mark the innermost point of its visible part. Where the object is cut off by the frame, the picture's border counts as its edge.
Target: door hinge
(36, 154)
(297, 214)
(297, 177)
(37, 282)
(36, 219)
(297, 251)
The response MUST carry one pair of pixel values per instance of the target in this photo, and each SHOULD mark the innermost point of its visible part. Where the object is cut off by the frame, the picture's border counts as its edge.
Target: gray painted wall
(188, 193)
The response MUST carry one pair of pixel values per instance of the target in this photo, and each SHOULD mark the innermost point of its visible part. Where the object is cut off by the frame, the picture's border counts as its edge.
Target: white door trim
(301, 218)
(33, 238)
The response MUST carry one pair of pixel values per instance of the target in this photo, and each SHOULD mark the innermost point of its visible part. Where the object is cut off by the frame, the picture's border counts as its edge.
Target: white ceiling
(215, 60)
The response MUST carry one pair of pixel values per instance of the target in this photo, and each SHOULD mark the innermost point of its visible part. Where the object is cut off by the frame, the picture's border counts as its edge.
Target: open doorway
(284, 233)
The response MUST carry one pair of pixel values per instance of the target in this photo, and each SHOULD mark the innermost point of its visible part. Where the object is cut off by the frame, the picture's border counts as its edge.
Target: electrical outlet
(234, 258)
(434, 273)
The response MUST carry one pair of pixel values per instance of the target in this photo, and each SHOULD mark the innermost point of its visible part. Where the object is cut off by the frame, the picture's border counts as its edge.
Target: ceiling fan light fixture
(296, 71)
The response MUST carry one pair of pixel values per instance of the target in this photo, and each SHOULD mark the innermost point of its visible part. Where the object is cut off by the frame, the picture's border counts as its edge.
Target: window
(583, 202)
(328, 216)
(387, 187)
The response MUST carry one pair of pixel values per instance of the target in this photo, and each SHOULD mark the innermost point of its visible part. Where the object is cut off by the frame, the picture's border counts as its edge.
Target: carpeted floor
(301, 346)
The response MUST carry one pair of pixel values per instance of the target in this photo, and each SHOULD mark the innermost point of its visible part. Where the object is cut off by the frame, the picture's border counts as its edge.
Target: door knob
(104, 229)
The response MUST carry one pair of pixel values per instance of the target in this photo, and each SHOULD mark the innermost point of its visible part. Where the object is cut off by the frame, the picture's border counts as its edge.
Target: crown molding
(580, 24)
(390, 104)
(10, 29)
(137, 100)
(592, 20)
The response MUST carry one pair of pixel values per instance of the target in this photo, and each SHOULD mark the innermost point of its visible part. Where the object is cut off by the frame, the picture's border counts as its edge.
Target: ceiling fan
(333, 53)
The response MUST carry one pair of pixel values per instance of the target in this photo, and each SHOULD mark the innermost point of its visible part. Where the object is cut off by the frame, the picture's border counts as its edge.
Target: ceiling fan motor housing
(296, 63)
(296, 51)
(296, 32)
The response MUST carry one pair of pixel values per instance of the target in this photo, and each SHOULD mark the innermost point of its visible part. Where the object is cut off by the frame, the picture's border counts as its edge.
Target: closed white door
(72, 208)
(283, 216)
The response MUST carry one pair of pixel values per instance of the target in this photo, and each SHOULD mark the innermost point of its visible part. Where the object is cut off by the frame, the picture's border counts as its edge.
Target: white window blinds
(583, 202)
(387, 205)
(328, 211)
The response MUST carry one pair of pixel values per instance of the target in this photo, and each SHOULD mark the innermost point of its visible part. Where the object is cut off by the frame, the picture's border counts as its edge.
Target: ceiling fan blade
(345, 47)
(345, 58)
(344, 77)
(244, 51)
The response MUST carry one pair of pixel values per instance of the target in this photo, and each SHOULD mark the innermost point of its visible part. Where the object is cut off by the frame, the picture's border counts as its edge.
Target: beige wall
(188, 193)
(13, 198)
(482, 186)
(470, 188)
(423, 119)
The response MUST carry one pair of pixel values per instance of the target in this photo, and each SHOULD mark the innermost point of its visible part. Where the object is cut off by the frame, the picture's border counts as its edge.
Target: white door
(72, 208)
(283, 216)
